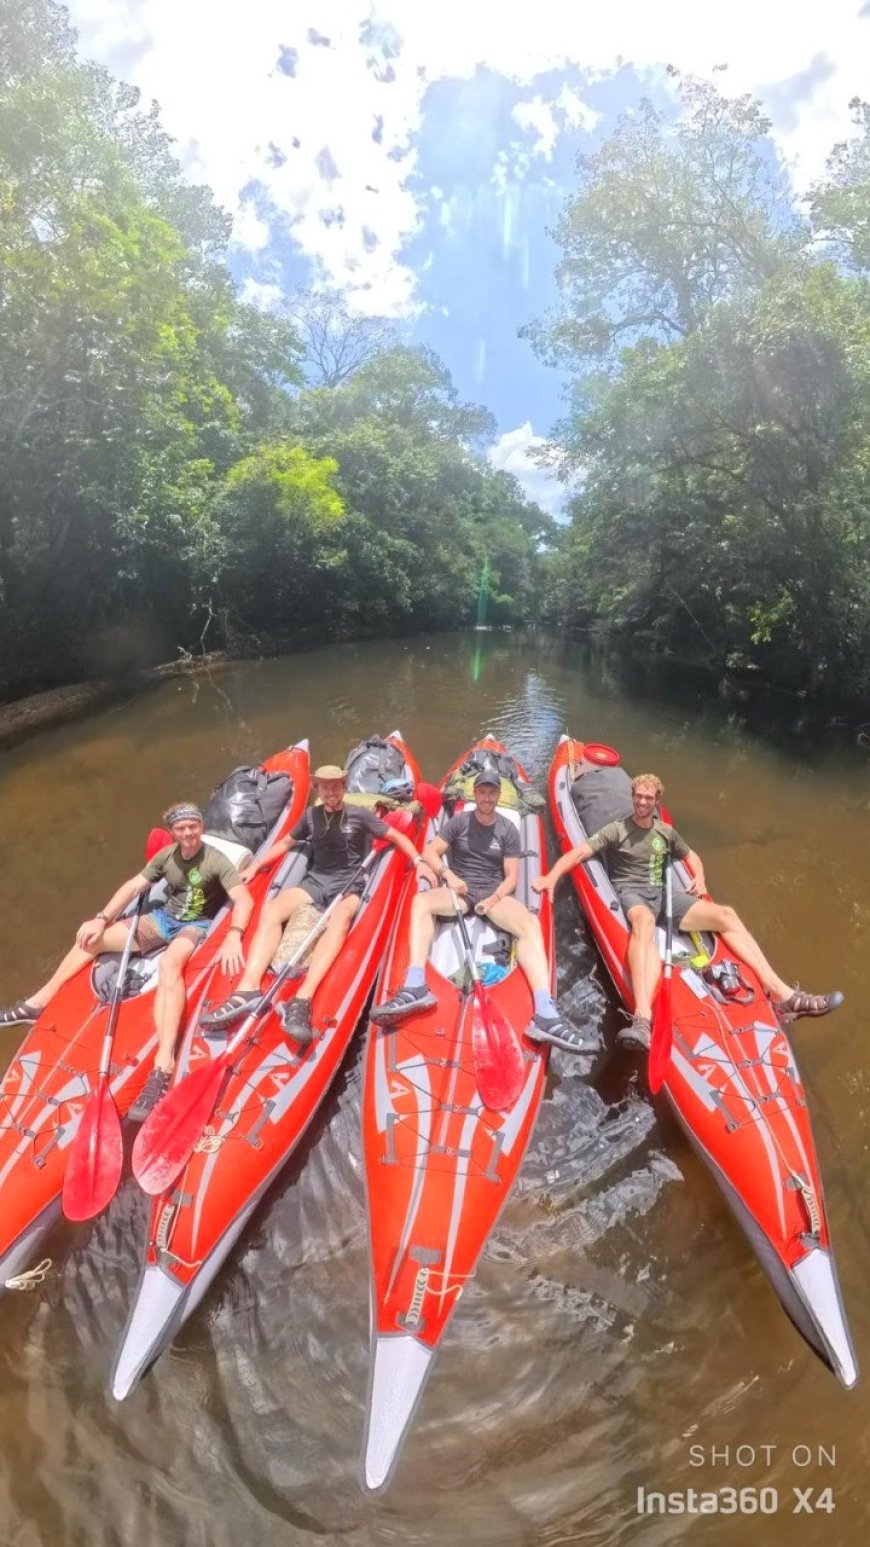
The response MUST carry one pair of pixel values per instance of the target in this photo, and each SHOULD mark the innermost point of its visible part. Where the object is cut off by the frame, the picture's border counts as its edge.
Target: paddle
(498, 1057)
(167, 1138)
(429, 797)
(663, 1025)
(96, 1158)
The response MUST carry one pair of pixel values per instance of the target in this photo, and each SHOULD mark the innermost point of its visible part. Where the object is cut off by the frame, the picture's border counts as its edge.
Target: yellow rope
(33, 1278)
(209, 1141)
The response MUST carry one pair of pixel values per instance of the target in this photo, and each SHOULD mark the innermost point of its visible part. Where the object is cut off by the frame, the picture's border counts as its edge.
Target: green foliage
(841, 204)
(160, 471)
(668, 220)
(720, 420)
(274, 552)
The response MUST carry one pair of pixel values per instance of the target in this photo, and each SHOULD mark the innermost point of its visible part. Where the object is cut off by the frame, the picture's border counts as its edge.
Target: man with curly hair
(635, 850)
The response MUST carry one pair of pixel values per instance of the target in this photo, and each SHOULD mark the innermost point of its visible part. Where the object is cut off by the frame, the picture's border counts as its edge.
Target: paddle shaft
(479, 991)
(669, 919)
(466, 938)
(114, 1008)
(662, 1027)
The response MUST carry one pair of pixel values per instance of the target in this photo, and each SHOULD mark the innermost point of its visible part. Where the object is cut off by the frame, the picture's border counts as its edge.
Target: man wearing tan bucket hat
(340, 837)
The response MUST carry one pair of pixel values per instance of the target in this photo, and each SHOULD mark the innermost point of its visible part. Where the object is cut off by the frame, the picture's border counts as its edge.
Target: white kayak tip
(817, 1285)
(399, 1372)
(152, 1321)
(304, 745)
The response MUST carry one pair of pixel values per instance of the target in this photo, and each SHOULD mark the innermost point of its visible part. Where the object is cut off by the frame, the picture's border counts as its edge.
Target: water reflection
(618, 1313)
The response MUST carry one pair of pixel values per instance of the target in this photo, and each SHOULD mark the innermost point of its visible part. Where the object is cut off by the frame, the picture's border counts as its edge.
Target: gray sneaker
(296, 1020)
(154, 1089)
(636, 1036)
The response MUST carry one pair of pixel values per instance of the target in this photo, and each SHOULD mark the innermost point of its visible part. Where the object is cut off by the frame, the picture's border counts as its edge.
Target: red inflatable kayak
(273, 1090)
(732, 1078)
(439, 1165)
(54, 1071)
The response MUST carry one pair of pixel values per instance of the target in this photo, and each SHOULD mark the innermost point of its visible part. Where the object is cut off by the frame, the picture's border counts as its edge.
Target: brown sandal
(798, 1003)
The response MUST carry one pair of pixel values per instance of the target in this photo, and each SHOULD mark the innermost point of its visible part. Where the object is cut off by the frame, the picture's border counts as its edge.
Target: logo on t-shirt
(194, 901)
(658, 848)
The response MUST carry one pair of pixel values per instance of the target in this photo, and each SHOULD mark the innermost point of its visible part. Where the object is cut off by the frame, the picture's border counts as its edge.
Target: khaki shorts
(653, 898)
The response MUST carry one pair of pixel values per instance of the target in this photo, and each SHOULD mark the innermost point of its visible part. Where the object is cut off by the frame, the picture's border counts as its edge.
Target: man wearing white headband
(198, 881)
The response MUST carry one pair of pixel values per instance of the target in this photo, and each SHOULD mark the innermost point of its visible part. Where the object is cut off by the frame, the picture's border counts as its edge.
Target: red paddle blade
(429, 797)
(498, 1055)
(93, 1170)
(165, 1142)
(662, 1037)
(157, 839)
(403, 821)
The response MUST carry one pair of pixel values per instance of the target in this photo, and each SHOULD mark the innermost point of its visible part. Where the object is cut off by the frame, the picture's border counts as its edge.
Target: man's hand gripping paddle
(96, 1158)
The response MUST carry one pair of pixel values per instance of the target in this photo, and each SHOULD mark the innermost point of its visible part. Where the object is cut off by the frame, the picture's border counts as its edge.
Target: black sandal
(551, 1028)
(231, 1010)
(20, 1014)
(406, 1001)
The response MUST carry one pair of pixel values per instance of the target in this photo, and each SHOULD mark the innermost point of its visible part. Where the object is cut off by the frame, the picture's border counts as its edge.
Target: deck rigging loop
(811, 1205)
(164, 1227)
(209, 1141)
(33, 1278)
(423, 1285)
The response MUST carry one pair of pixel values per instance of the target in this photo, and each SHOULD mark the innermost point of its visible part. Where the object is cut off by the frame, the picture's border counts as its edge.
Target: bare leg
(268, 936)
(425, 907)
(644, 963)
(726, 923)
(169, 1000)
(328, 946)
(515, 917)
(114, 938)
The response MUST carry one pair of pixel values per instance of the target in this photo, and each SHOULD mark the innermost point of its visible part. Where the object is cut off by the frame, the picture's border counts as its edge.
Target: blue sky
(415, 155)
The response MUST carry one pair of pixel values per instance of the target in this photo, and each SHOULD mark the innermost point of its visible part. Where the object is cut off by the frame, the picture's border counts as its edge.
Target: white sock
(415, 977)
(544, 1002)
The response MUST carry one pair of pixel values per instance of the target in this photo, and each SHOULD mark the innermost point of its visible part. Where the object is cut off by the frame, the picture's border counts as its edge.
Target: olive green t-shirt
(196, 888)
(636, 855)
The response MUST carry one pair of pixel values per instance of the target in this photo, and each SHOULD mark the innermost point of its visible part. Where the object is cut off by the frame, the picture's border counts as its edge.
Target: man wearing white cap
(340, 837)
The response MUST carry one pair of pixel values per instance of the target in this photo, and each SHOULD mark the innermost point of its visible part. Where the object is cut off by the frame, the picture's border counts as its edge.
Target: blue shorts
(158, 926)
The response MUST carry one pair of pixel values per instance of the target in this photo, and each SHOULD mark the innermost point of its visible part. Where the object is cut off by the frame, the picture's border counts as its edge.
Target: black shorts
(323, 889)
(653, 897)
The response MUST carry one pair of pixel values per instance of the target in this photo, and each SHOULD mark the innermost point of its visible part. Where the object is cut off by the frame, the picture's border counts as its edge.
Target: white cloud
(514, 452)
(538, 115)
(355, 105)
(250, 230)
(262, 294)
(578, 114)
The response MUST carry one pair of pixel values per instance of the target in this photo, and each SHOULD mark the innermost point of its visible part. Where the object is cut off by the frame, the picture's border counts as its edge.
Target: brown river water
(618, 1317)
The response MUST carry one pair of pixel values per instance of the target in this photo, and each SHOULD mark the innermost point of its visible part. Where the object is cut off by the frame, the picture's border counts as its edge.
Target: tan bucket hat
(329, 771)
